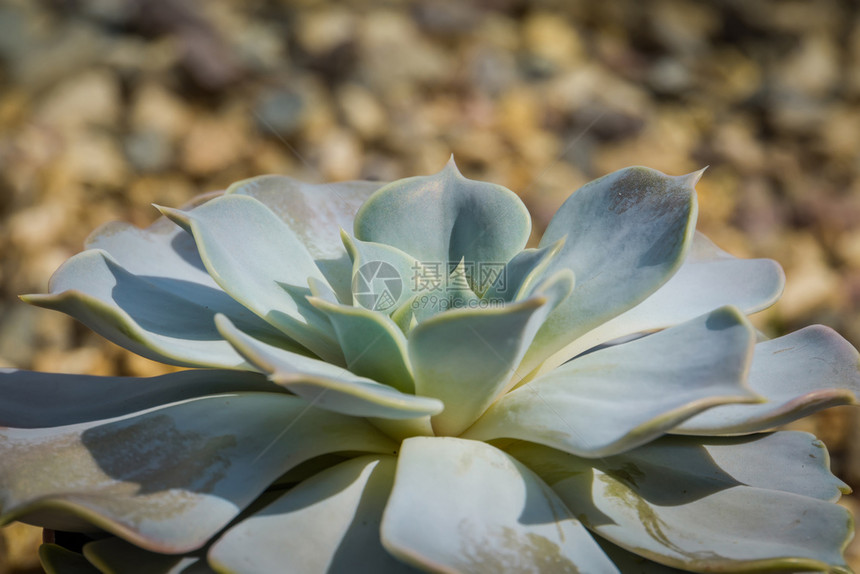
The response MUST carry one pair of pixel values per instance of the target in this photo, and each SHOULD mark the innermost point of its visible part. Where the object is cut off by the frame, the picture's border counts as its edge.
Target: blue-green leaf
(626, 234)
(708, 279)
(620, 397)
(163, 319)
(465, 506)
(39, 400)
(325, 385)
(708, 505)
(168, 478)
(373, 345)
(332, 520)
(446, 217)
(467, 357)
(116, 556)
(315, 213)
(57, 560)
(256, 258)
(799, 374)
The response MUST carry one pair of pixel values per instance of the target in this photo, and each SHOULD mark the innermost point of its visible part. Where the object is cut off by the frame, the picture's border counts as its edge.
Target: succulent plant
(386, 379)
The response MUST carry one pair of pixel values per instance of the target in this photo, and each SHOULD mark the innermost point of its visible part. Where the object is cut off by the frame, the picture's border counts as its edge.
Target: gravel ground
(107, 106)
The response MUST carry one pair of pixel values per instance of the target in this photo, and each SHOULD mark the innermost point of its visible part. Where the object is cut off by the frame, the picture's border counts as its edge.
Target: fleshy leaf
(322, 290)
(384, 277)
(256, 258)
(446, 217)
(465, 506)
(116, 556)
(373, 345)
(708, 279)
(167, 479)
(57, 560)
(316, 213)
(404, 316)
(40, 400)
(327, 386)
(168, 320)
(333, 524)
(752, 461)
(623, 396)
(626, 234)
(722, 505)
(460, 295)
(467, 357)
(161, 250)
(443, 293)
(519, 276)
(799, 374)
(631, 563)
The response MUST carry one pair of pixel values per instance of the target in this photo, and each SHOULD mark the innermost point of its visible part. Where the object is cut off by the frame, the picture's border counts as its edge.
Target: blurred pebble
(321, 31)
(85, 100)
(149, 151)
(95, 158)
(105, 109)
(154, 108)
(21, 543)
(361, 111)
(213, 144)
(810, 283)
(812, 70)
(393, 51)
(669, 76)
(550, 44)
(685, 27)
(18, 337)
(340, 156)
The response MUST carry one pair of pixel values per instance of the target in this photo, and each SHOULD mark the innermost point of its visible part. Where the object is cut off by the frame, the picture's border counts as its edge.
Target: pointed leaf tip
(693, 178)
(177, 216)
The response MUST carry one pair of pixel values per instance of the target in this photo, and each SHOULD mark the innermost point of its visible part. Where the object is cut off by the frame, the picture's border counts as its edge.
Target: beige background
(109, 105)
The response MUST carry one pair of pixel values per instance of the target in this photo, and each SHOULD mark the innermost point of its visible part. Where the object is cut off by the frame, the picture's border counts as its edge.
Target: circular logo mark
(377, 286)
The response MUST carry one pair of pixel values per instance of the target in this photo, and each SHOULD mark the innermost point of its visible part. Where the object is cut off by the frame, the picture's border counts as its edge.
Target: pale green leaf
(799, 374)
(620, 397)
(708, 279)
(57, 560)
(168, 478)
(709, 507)
(467, 357)
(384, 277)
(626, 234)
(325, 385)
(328, 523)
(33, 399)
(446, 217)
(164, 319)
(116, 556)
(315, 213)
(373, 345)
(256, 258)
(465, 506)
(521, 275)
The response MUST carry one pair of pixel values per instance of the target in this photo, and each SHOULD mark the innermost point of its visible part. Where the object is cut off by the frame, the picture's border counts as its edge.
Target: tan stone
(154, 108)
(551, 37)
(213, 144)
(91, 98)
(362, 111)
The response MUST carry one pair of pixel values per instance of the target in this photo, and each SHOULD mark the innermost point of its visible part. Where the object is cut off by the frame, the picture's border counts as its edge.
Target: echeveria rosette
(599, 403)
